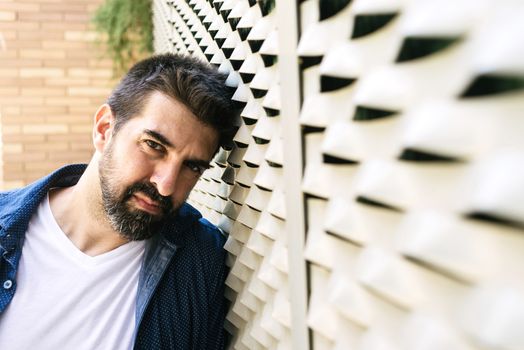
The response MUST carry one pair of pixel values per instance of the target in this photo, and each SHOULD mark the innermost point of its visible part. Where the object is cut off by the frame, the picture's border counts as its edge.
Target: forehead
(173, 120)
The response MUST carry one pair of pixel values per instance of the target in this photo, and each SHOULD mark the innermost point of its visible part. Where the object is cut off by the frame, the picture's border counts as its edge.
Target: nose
(165, 177)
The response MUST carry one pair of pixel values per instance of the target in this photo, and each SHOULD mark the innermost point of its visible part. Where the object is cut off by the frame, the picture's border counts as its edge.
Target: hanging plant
(128, 27)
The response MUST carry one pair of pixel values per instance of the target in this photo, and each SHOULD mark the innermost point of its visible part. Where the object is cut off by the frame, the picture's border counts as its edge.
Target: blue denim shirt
(180, 303)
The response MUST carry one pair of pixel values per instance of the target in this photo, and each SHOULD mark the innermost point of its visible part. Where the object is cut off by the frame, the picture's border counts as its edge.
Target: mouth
(146, 204)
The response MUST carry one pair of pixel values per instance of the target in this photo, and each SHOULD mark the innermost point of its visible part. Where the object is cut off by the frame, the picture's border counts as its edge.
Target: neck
(79, 212)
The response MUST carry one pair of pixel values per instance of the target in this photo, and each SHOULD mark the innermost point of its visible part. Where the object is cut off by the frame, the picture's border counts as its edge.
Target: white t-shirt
(66, 299)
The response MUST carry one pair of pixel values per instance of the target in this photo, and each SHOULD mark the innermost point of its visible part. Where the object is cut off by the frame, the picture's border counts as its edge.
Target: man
(108, 255)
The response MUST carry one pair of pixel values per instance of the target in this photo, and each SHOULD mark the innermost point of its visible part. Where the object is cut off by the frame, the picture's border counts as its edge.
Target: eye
(154, 145)
(197, 169)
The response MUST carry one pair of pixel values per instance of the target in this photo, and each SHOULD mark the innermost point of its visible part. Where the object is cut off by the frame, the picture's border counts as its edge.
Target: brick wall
(52, 79)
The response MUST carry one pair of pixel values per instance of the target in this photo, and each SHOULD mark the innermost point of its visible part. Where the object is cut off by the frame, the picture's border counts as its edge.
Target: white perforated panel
(243, 193)
(413, 160)
(412, 172)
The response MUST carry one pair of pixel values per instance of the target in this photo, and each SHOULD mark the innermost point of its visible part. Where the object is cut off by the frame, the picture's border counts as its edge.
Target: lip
(147, 204)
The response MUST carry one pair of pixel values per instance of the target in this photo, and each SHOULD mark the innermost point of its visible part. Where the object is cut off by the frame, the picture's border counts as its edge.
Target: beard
(131, 223)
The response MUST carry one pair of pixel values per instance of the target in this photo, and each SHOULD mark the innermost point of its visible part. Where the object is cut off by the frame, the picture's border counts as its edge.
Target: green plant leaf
(128, 28)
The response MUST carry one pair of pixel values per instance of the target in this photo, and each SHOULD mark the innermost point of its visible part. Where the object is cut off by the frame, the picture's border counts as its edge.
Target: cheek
(134, 164)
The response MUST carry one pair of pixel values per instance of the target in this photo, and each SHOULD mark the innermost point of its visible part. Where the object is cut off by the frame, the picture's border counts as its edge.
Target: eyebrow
(159, 137)
(162, 139)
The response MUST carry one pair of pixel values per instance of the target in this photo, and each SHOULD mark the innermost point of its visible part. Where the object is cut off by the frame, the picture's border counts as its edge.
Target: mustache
(164, 202)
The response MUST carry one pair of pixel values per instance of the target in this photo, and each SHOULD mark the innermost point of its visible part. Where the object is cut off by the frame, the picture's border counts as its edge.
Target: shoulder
(200, 253)
(207, 238)
(193, 229)
(11, 202)
(205, 244)
(6, 195)
(209, 234)
(18, 204)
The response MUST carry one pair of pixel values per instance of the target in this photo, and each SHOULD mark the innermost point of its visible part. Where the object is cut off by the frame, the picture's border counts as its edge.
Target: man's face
(149, 167)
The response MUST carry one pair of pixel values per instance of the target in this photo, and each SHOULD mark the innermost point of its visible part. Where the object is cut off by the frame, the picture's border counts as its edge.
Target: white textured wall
(412, 125)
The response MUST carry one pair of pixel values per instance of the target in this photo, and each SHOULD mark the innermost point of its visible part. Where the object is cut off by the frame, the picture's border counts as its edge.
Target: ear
(103, 128)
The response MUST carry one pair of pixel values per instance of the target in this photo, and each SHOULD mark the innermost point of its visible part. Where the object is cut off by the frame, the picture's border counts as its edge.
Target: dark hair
(198, 85)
